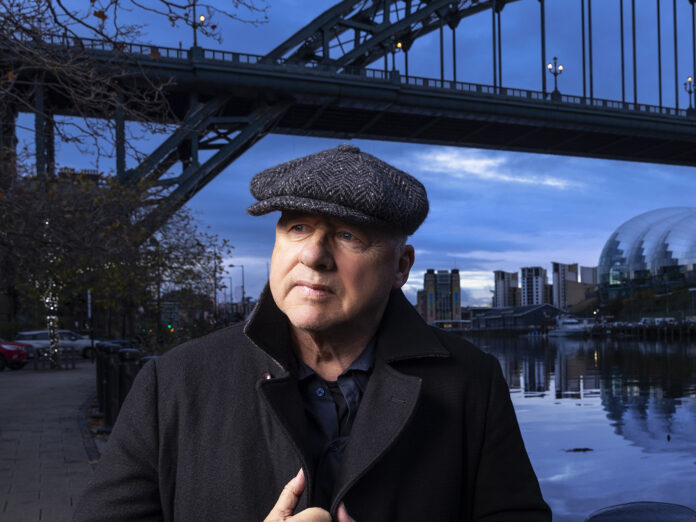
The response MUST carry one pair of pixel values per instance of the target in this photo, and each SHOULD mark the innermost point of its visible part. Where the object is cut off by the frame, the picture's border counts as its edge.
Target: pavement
(46, 450)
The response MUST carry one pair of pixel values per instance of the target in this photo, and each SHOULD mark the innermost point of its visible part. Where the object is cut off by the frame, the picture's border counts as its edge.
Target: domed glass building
(656, 249)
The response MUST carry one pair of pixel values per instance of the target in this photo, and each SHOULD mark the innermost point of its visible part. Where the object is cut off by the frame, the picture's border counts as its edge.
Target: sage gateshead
(655, 250)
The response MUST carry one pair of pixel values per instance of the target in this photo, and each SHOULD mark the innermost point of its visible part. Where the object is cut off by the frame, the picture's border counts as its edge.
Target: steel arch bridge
(322, 81)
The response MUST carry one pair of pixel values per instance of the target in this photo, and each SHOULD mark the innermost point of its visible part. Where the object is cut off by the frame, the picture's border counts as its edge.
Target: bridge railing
(213, 55)
(476, 88)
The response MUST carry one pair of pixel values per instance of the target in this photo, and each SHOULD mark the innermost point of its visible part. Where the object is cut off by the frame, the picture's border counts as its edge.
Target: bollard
(128, 368)
(103, 349)
(111, 385)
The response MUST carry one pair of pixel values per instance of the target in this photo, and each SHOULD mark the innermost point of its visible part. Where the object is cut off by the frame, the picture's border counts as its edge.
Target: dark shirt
(331, 409)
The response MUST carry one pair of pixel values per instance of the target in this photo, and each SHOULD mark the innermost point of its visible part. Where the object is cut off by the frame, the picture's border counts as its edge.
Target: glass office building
(656, 249)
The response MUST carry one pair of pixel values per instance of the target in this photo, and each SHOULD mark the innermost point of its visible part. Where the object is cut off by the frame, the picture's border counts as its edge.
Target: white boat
(568, 326)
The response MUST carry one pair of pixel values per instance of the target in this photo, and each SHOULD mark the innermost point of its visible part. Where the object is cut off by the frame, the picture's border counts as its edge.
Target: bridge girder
(376, 26)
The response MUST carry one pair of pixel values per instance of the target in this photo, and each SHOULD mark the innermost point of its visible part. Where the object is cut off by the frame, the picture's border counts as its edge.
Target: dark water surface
(604, 421)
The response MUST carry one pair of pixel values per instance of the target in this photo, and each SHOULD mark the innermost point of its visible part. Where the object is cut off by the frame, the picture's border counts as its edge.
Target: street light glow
(202, 18)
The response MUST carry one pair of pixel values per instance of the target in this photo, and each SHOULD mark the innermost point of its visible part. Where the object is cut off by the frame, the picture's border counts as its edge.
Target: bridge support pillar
(120, 138)
(43, 134)
(8, 147)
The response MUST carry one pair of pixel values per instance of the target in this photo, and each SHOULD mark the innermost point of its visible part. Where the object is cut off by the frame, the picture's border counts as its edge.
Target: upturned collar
(402, 334)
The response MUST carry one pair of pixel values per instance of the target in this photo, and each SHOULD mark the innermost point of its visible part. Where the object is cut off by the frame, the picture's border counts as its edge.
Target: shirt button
(320, 392)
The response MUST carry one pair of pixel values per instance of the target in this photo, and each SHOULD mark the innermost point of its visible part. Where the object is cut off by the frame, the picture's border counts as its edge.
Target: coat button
(265, 376)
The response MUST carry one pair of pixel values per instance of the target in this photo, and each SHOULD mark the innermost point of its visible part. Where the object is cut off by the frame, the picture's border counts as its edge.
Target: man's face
(328, 274)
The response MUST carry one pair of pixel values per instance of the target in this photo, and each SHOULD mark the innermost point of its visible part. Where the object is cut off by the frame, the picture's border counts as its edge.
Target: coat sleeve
(506, 487)
(125, 484)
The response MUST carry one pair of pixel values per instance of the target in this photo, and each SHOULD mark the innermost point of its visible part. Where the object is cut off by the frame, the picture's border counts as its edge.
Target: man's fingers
(342, 515)
(288, 498)
(314, 514)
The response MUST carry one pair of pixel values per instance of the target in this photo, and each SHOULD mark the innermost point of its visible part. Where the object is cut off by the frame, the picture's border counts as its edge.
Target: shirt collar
(364, 362)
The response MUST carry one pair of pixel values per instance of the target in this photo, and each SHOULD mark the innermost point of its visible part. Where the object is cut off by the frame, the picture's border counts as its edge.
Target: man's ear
(406, 258)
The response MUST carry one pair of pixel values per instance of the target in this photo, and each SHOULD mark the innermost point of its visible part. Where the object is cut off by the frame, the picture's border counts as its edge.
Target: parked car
(12, 355)
(67, 339)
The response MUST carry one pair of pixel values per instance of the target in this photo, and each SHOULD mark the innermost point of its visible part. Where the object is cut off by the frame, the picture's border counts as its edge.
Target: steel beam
(194, 178)
(195, 121)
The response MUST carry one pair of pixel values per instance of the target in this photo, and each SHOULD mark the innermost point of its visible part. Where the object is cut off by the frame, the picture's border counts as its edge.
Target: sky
(490, 210)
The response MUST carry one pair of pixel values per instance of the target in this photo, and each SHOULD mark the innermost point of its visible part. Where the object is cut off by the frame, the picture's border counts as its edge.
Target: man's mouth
(313, 289)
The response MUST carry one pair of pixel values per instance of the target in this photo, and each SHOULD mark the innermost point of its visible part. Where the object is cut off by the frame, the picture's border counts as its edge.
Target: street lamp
(243, 293)
(689, 88)
(196, 23)
(555, 68)
(395, 49)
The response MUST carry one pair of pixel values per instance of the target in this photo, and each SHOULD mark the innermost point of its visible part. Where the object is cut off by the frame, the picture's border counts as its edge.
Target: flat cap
(344, 183)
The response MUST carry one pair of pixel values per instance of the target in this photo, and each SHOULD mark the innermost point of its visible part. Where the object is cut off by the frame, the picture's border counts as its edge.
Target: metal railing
(417, 82)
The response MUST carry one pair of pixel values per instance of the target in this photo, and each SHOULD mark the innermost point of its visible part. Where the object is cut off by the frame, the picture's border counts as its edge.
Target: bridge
(320, 82)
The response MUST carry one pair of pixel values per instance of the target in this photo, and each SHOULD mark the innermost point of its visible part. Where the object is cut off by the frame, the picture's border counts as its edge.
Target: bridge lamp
(396, 47)
(197, 21)
(555, 68)
(689, 88)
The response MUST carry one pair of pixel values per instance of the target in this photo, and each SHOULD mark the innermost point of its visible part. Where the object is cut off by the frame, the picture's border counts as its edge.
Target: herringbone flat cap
(344, 183)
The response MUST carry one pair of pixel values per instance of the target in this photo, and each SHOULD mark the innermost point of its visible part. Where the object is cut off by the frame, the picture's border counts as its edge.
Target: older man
(335, 399)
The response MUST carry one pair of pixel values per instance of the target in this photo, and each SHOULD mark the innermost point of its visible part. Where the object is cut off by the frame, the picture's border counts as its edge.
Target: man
(335, 381)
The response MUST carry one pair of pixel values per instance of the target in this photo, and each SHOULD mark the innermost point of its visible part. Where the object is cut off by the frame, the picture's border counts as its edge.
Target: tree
(84, 233)
(71, 233)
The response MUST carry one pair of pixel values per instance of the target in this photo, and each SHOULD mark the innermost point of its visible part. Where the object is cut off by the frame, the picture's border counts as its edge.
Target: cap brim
(313, 206)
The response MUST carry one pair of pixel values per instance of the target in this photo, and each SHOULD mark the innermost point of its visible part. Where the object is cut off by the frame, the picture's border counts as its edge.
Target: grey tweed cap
(344, 183)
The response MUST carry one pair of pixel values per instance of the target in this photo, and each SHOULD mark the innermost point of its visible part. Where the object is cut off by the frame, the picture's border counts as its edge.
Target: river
(604, 421)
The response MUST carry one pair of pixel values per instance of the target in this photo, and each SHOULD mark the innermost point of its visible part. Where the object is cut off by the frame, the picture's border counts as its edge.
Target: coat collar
(390, 400)
(402, 333)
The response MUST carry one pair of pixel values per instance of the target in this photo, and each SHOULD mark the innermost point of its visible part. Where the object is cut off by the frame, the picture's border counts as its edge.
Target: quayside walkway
(44, 466)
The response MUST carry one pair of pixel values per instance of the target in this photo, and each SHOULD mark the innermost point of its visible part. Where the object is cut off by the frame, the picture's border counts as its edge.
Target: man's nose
(316, 252)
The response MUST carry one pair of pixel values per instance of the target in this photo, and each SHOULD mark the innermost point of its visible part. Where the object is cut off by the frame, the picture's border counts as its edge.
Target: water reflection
(637, 411)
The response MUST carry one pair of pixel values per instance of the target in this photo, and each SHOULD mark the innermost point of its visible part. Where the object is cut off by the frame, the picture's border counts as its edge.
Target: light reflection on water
(632, 403)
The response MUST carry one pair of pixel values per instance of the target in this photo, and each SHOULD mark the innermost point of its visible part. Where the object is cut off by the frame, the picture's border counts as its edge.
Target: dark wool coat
(204, 435)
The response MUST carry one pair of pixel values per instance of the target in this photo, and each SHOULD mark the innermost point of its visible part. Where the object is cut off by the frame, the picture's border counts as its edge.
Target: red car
(13, 355)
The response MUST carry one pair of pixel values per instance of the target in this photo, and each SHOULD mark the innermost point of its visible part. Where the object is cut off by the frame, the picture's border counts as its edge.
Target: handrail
(418, 82)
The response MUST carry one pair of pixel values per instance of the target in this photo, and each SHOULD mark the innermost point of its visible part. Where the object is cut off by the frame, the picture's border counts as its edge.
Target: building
(506, 289)
(562, 275)
(517, 318)
(655, 250)
(588, 275)
(440, 299)
(534, 286)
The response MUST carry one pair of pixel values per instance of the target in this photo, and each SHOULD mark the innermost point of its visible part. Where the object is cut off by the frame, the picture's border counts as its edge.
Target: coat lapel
(282, 397)
(390, 399)
(391, 396)
(387, 406)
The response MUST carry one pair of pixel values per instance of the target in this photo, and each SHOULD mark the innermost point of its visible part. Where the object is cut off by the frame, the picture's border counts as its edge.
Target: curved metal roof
(649, 242)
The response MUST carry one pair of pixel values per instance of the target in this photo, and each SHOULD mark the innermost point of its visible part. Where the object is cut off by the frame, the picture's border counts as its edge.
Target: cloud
(466, 164)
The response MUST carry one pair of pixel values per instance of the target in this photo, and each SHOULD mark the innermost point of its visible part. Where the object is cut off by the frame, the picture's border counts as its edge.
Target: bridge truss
(319, 83)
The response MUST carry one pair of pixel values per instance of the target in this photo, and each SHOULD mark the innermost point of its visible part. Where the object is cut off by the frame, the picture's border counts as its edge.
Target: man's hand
(288, 499)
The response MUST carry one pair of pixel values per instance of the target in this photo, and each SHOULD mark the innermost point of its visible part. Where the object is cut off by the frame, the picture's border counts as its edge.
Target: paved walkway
(43, 463)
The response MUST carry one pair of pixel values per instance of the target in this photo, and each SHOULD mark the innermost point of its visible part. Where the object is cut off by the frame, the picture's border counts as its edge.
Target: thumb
(288, 498)
(342, 515)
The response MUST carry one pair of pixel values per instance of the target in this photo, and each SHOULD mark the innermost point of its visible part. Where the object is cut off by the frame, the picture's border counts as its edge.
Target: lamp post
(196, 23)
(555, 68)
(243, 293)
(689, 88)
(396, 47)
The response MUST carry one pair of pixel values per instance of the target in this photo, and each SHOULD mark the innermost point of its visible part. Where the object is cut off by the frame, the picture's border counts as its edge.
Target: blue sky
(490, 210)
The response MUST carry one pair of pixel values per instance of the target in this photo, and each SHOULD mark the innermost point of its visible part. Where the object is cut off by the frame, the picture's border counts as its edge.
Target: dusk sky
(490, 210)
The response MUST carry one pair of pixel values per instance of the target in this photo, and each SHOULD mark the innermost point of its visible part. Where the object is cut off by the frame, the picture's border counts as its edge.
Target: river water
(604, 421)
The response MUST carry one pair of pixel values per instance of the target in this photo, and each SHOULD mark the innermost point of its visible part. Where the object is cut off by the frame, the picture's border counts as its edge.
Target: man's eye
(298, 228)
(347, 236)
